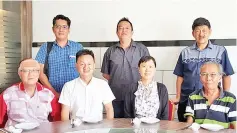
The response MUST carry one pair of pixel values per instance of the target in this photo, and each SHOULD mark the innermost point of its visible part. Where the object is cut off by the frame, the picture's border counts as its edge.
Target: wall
(95, 21)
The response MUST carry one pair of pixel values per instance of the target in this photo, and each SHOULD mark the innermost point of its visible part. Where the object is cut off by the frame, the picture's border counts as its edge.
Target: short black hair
(200, 22)
(60, 16)
(85, 52)
(145, 59)
(124, 19)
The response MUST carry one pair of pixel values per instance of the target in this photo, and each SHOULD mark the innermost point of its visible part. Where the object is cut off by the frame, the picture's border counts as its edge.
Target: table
(64, 126)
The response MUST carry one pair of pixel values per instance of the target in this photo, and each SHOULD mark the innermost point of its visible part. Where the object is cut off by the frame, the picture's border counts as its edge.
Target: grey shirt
(122, 66)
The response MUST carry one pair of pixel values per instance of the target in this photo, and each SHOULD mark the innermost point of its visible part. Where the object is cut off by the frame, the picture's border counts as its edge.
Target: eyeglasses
(212, 75)
(61, 26)
(30, 71)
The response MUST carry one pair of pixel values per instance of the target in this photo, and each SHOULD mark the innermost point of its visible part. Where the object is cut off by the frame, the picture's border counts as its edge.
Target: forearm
(65, 113)
(44, 80)
(190, 119)
(106, 76)
(179, 82)
(109, 111)
(226, 81)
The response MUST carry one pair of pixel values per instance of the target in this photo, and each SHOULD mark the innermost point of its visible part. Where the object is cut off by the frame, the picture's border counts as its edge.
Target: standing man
(61, 58)
(120, 64)
(191, 58)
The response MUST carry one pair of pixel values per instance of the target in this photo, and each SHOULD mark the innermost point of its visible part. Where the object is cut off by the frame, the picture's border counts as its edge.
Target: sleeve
(107, 95)
(40, 57)
(80, 46)
(189, 109)
(232, 113)
(225, 62)
(3, 112)
(164, 102)
(146, 52)
(56, 110)
(65, 96)
(105, 64)
(179, 68)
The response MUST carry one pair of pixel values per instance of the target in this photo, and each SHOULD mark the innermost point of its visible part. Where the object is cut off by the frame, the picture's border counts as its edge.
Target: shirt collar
(83, 83)
(221, 92)
(68, 43)
(131, 44)
(39, 87)
(209, 45)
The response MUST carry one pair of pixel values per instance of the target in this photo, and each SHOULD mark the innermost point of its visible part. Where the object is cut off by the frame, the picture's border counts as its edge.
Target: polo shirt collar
(220, 88)
(209, 45)
(39, 87)
(131, 44)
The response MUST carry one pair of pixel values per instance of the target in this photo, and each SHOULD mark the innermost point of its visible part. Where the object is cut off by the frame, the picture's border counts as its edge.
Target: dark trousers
(118, 109)
(181, 111)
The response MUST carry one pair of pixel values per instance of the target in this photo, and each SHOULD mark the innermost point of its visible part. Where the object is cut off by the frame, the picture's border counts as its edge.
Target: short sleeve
(225, 62)
(189, 109)
(3, 111)
(105, 63)
(232, 113)
(40, 57)
(56, 110)
(107, 94)
(179, 68)
(146, 52)
(65, 95)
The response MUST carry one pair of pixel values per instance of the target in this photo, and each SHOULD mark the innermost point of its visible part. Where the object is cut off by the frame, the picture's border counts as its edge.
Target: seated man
(82, 97)
(211, 104)
(28, 101)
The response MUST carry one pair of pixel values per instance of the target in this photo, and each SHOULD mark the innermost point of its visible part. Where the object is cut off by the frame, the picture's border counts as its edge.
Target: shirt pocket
(72, 61)
(190, 67)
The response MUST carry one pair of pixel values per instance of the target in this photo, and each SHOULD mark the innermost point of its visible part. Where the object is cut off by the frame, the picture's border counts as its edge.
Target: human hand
(175, 100)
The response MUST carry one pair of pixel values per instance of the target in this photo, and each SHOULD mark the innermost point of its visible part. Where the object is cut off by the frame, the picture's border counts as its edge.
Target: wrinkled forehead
(29, 64)
(209, 67)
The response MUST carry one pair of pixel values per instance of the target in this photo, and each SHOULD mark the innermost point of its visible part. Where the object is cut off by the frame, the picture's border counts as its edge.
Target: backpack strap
(46, 65)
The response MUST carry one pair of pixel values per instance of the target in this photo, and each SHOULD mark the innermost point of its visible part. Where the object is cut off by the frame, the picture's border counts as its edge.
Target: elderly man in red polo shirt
(28, 101)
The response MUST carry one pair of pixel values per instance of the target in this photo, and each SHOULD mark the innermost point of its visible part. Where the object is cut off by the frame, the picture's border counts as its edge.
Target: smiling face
(29, 71)
(210, 76)
(61, 30)
(124, 30)
(147, 70)
(85, 66)
(201, 34)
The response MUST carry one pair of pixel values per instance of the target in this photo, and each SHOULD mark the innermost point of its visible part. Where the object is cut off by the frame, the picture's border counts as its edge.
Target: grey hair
(219, 66)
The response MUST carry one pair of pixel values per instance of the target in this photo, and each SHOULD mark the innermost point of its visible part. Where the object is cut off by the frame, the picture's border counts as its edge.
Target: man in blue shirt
(191, 58)
(62, 57)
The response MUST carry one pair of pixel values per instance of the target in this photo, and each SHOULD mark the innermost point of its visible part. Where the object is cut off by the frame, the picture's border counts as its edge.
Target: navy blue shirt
(190, 61)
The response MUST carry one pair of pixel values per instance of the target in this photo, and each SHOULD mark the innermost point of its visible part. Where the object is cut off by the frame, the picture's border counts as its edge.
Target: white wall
(96, 20)
(152, 19)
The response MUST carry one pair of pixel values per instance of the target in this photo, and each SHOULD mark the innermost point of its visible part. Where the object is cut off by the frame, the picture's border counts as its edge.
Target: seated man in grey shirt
(120, 61)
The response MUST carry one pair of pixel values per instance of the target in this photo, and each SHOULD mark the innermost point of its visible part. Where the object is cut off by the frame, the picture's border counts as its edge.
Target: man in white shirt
(83, 97)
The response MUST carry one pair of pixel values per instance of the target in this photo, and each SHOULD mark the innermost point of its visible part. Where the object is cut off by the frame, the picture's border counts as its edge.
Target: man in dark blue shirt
(191, 58)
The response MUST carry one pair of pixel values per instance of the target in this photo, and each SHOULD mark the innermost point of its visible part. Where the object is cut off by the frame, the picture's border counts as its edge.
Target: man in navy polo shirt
(191, 58)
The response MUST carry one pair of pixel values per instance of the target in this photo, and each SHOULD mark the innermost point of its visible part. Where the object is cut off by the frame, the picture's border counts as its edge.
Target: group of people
(68, 89)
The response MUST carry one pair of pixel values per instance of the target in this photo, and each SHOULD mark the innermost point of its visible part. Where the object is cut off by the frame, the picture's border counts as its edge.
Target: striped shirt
(19, 107)
(61, 63)
(222, 111)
